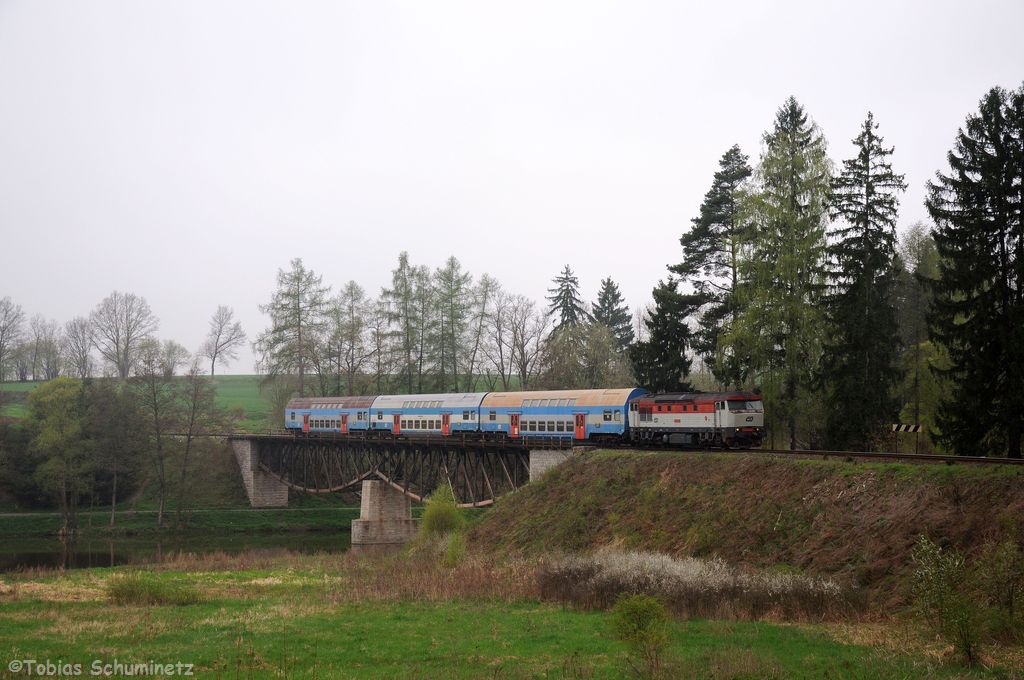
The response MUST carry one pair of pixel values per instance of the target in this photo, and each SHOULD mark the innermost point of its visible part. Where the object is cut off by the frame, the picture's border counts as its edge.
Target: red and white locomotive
(698, 418)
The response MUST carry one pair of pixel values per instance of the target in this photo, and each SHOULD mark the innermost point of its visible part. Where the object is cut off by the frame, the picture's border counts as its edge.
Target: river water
(24, 553)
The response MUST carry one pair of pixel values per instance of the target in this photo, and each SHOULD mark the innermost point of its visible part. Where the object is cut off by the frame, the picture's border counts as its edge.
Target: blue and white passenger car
(412, 414)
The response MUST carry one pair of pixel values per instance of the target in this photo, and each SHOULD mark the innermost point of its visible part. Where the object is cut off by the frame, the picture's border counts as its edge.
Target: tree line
(120, 330)
(792, 282)
(438, 331)
(100, 439)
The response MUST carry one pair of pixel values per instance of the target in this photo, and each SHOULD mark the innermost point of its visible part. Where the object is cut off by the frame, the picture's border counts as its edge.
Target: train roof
(701, 396)
(331, 402)
(458, 400)
(616, 397)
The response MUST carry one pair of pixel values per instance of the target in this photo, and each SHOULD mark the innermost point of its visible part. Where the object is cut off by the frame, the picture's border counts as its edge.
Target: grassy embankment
(854, 521)
(262, 615)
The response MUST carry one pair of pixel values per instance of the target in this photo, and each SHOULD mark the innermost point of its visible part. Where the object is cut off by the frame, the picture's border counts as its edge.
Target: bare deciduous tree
(11, 319)
(77, 347)
(119, 324)
(224, 339)
(46, 342)
(529, 328)
(156, 395)
(348, 348)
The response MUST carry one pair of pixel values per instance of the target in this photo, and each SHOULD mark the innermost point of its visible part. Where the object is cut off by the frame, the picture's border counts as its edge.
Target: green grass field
(233, 391)
(298, 620)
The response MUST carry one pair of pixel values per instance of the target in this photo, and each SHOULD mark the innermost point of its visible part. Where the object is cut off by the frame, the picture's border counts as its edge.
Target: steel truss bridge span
(478, 470)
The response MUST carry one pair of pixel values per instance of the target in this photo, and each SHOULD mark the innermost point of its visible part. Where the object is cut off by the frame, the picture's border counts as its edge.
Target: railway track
(561, 442)
(840, 455)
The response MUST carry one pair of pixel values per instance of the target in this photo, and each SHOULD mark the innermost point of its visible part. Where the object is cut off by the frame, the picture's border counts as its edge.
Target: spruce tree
(860, 363)
(781, 327)
(978, 309)
(660, 363)
(611, 311)
(565, 300)
(711, 264)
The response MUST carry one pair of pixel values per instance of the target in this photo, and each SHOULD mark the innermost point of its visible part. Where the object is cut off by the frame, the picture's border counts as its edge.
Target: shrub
(455, 549)
(999, 573)
(642, 623)
(940, 582)
(145, 590)
(442, 515)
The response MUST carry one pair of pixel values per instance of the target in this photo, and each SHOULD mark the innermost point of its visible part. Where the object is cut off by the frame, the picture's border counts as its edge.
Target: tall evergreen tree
(781, 326)
(711, 263)
(565, 300)
(454, 287)
(611, 310)
(978, 309)
(660, 363)
(297, 312)
(861, 361)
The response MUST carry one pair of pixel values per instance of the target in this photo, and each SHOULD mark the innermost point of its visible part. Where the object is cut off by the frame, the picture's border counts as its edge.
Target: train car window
(551, 426)
(607, 416)
(293, 415)
(560, 426)
(405, 425)
(380, 415)
(492, 416)
(541, 426)
(465, 415)
(618, 416)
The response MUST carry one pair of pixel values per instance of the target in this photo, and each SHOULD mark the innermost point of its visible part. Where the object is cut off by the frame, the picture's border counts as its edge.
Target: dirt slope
(855, 521)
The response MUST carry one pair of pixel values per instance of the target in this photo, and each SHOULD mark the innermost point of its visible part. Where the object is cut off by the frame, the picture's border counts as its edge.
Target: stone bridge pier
(542, 460)
(263, 490)
(385, 516)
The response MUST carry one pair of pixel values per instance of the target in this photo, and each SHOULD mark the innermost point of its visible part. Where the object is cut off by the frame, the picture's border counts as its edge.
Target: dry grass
(425, 577)
(693, 588)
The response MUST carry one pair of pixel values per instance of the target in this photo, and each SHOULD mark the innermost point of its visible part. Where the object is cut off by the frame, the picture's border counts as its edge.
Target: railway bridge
(390, 473)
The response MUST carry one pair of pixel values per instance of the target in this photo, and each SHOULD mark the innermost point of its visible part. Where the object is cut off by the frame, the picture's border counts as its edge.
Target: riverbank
(407, 615)
(96, 524)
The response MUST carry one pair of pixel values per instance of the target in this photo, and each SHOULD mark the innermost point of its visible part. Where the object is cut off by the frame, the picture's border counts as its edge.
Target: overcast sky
(185, 151)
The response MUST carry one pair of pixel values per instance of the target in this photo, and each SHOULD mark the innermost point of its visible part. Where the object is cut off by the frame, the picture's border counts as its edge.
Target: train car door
(305, 422)
(513, 426)
(581, 426)
(719, 415)
(397, 420)
(446, 423)
(344, 423)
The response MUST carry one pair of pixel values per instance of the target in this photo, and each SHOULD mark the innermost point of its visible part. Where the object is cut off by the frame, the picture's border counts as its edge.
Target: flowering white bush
(689, 586)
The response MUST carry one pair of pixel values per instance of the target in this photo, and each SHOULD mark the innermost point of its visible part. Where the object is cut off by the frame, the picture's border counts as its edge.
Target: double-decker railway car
(698, 418)
(419, 414)
(631, 414)
(328, 414)
(569, 414)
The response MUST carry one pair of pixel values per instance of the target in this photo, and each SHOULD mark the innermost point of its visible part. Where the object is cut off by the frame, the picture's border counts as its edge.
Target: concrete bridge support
(263, 490)
(385, 516)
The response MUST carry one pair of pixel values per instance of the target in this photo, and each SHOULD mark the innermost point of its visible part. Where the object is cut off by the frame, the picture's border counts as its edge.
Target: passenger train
(728, 419)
